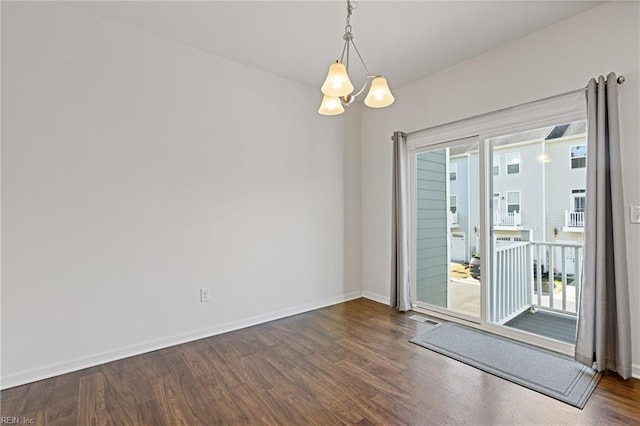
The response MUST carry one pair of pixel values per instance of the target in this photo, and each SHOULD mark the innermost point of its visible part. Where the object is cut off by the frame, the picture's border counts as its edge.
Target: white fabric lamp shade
(337, 82)
(379, 95)
(330, 105)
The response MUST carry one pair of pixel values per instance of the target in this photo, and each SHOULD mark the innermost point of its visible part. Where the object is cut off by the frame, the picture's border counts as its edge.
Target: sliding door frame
(413, 155)
(571, 107)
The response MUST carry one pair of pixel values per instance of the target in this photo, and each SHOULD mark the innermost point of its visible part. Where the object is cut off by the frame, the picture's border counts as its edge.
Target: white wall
(556, 59)
(136, 171)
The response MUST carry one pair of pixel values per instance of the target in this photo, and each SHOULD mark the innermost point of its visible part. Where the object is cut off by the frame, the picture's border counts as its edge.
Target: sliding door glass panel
(537, 213)
(447, 227)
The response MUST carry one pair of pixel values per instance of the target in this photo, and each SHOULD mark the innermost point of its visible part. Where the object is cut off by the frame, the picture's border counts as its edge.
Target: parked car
(474, 267)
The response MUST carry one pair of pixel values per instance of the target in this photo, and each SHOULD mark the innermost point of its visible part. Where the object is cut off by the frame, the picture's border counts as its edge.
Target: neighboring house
(538, 185)
(463, 209)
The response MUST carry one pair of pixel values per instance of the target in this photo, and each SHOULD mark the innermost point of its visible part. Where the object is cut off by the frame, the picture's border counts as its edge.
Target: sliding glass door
(534, 202)
(498, 219)
(446, 227)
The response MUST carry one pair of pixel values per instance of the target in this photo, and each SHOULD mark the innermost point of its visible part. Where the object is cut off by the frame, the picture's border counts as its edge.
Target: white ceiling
(404, 40)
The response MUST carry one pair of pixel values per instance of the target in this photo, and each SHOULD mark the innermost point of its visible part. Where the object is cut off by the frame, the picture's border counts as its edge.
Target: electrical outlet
(205, 294)
(635, 214)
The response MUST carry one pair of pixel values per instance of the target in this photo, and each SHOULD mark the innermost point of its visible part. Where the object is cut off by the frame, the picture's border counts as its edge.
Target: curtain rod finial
(621, 79)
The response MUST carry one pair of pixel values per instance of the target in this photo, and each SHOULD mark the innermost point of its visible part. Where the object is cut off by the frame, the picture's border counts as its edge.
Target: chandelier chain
(350, 8)
(348, 38)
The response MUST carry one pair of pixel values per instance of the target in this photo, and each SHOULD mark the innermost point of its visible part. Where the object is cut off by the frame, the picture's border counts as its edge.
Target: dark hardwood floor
(349, 363)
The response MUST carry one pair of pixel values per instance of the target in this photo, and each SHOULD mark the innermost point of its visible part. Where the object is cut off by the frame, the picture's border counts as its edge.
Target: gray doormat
(547, 372)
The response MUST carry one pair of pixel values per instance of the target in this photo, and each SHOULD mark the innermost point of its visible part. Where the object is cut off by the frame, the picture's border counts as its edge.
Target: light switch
(635, 214)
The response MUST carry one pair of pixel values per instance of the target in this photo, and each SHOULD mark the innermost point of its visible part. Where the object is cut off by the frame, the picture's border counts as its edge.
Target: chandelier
(338, 89)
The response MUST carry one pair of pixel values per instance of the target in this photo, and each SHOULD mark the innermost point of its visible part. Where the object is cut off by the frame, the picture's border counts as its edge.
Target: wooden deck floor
(547, 324)
(346, 364)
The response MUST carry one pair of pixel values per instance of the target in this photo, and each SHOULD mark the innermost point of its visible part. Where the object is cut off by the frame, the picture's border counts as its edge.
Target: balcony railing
(511, 290)
(507, 219)
(573, 219)
(523, 269)
(568, 268)
(453, 218)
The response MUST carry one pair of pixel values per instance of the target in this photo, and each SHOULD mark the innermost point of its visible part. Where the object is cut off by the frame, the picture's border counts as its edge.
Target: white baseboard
(376, 297)
(53, 370)
(635, 371)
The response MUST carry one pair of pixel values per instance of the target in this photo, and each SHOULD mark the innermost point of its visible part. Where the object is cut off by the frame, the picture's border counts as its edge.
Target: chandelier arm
(364, 86)
(344, 49)
(348, 51)
(359, 56)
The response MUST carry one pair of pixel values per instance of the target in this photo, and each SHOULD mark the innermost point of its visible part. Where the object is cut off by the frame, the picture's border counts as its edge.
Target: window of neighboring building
(578, 200)
(496, 165)
(578, 156)
(513, 163)
(453, 171)
(513, 201)
(453, 203)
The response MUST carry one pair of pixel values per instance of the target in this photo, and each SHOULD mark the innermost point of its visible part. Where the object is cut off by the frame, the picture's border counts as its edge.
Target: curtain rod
(619, 80)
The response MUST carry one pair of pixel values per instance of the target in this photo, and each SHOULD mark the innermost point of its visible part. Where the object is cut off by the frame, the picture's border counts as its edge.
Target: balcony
(507, 219)
(535, 288)
(573, 221)
(519, 275)
(520, 287)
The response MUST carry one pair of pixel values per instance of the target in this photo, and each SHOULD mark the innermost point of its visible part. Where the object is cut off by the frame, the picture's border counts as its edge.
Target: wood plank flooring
(350, 363)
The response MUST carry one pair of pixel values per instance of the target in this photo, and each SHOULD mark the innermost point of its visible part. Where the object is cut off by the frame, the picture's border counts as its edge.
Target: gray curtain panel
(400, 265)
(604, 325)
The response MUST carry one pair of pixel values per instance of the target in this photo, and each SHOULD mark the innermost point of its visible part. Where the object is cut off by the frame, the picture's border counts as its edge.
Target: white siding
(529, 182)
(460, 188)
(561, 179)
(474, 203)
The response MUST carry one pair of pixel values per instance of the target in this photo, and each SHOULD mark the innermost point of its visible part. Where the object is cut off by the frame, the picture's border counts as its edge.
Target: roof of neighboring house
(570, 129)
(528, 135)
(549, 133)
(557, 132)
(544, 133)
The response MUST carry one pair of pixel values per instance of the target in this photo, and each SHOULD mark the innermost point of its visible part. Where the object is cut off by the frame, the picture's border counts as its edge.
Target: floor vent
(423, 319)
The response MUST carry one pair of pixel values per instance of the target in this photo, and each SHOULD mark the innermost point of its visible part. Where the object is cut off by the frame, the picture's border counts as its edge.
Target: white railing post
(528, 289)
(539, 275)
(551, 275)
(577, 277)
(496, 278)
(563, 253)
